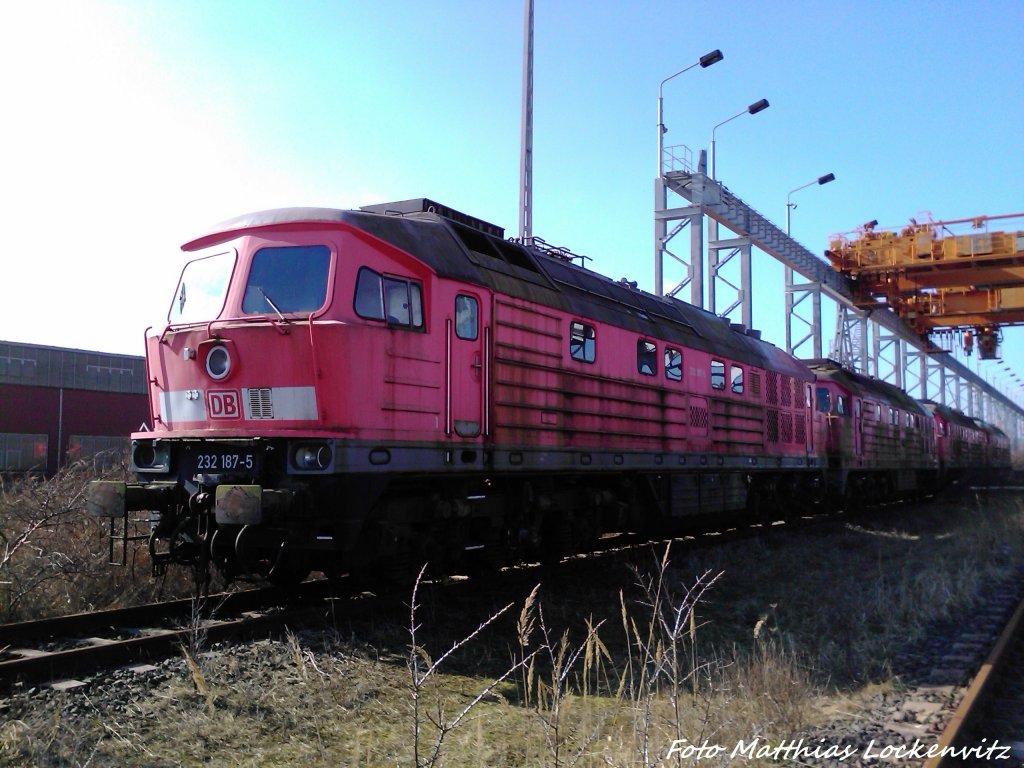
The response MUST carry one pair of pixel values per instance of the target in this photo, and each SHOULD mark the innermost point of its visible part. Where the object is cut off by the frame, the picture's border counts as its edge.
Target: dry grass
(53, 556)
(608, 669)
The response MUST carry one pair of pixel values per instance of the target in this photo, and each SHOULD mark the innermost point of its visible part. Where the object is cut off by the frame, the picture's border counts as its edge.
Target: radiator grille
(772, 426)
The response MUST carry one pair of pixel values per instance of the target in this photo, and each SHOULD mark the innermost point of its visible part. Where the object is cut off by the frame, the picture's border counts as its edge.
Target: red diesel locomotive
(363, 391)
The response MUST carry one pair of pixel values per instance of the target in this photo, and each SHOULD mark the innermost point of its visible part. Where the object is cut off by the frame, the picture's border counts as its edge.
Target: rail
(975, 698)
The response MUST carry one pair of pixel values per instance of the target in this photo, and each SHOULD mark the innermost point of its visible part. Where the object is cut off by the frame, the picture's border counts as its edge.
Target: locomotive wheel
(256, 549)
(557, 540)
(289, 569)
(184, 544)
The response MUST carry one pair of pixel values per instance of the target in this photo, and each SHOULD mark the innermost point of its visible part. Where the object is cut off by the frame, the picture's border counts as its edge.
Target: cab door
(858, 425)
(468, 335)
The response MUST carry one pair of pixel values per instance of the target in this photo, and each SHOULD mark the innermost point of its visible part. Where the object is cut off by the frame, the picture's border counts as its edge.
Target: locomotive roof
(461, 247)
(992, 429)
(865, 386)
(952, 415)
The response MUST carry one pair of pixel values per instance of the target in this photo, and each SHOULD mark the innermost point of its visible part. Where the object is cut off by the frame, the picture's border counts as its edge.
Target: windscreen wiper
(273, 306)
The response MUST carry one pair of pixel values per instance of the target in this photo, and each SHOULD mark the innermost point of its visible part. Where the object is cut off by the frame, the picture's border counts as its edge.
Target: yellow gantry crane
(940, 278)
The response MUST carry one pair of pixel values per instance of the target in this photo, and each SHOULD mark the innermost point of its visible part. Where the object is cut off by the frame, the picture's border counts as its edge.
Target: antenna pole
(526, 139)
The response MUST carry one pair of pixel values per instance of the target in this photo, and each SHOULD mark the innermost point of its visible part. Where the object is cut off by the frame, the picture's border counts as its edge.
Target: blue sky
(132, 126)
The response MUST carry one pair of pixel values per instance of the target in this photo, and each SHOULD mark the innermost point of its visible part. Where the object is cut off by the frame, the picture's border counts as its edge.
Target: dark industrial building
(59, 404)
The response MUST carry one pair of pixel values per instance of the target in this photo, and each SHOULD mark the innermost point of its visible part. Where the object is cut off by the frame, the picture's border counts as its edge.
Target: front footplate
(109, 498)
(117, 500)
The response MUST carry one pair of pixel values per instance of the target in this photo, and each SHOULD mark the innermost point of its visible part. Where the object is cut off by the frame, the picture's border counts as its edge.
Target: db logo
(224, 404)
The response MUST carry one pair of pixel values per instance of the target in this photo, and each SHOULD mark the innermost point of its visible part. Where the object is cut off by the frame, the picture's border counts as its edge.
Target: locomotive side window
(646, 357)
(673, 364)
(824, 403)
(287, 279)
(466, 314)
(737, 380)
(398, 301)
(841, 408)
(581, 342)
(717, 374)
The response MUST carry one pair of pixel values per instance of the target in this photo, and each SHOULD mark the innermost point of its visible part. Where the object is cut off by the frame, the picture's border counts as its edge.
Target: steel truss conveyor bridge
(875, 342)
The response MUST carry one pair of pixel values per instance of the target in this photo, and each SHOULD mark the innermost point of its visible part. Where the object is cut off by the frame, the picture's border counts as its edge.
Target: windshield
(287, 279)
(201, 289)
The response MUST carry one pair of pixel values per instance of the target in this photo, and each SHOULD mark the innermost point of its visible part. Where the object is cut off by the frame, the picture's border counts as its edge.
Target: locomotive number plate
(226, 461)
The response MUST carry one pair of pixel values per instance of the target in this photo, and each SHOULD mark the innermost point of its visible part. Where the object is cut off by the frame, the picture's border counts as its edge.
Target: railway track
(55, 650)
(990, 716)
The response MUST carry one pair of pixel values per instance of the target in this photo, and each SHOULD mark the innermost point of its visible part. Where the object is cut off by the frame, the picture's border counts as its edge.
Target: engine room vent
(699, 419)
(426, 205)
(755, 386)
(772, 387)
(261, 404)
(800, 430)
(785, 428)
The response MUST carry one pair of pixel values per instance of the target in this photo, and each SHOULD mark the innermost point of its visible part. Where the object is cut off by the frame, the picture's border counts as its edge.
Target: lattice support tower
(800, 298)
(668, 224)
(937, 380)
(889, 355)
(915, 373)
(729, 276)
(849, 345)
(890, 337)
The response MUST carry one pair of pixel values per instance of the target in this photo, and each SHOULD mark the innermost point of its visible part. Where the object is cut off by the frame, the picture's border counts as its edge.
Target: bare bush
(54, 556)
(424, 669)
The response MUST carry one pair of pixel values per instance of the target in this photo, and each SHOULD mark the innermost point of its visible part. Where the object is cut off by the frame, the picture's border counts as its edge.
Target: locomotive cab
(260, 408)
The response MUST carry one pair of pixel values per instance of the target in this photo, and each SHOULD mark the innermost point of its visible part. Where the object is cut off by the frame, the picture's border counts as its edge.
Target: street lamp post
(790, 206)
(661, 236)
(744, 291)
(815, 292)
(704, 62)
(753, 109)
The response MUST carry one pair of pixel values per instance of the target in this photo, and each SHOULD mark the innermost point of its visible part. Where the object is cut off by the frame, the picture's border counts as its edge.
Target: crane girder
(935, 278)
(947, 308)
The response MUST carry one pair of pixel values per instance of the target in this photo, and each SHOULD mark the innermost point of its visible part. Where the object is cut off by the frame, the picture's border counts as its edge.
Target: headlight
(312, 457)
(148, 455)
(218, 362)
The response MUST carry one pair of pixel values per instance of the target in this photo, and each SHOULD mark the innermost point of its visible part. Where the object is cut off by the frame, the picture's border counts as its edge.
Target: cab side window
(369, 302)
(824, 400)
(395, 300)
